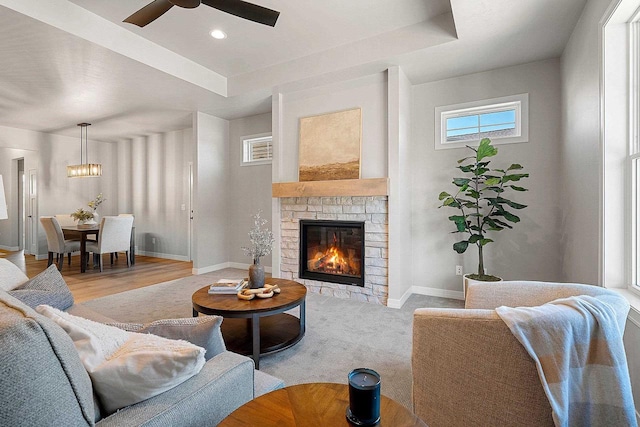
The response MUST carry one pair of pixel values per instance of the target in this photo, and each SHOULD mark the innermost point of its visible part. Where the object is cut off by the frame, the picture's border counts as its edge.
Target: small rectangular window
(503, 120)
(257, 149)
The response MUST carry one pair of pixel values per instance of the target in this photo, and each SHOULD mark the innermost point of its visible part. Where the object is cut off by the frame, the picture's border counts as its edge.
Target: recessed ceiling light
(218, 34)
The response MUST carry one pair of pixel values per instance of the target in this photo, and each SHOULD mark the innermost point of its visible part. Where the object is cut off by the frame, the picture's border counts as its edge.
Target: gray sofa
(43, 381)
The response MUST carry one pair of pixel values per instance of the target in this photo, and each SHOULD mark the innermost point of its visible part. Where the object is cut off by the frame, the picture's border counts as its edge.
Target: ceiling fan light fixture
(218, 34)
(84, 169)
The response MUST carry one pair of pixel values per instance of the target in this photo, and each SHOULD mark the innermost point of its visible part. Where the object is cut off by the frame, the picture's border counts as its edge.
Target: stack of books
(228, 286)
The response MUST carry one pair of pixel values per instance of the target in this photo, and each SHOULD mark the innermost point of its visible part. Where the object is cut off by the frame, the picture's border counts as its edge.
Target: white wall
(211, 135)
(153, 184)
(249, 188)
(399, 121)
(530, 251)
(581, 154)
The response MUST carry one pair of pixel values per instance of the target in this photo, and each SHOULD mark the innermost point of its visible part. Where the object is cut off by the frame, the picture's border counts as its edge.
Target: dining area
(112, 235)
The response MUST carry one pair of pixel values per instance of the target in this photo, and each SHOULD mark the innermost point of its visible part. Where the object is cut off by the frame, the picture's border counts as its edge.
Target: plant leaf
(475, 238)
(461, 246)
(485, 241)
(514, 177)
(467, 168)
(516, 188)
(460, 221)
(485, 149)
(510, 217)
(492, 181)
(466, 158)
(443, 195)
(461, 181)
(514, 205)
(515, 166)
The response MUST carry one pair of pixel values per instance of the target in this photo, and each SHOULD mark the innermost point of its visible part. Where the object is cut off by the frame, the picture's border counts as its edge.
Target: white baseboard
(165, 256)
(421, 290)
(9, 248)
(221, 266)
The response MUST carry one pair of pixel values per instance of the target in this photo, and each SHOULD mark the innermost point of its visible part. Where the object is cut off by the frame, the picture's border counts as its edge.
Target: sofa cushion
(48, 288)
(42, 381)
(127, 367)
(10, 275)
(203, 331)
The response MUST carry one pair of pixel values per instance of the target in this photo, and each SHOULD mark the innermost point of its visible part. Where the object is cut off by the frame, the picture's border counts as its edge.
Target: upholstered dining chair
(114, 236)
(125, 215)
(65, 220)
(56, 242)
(470, 370)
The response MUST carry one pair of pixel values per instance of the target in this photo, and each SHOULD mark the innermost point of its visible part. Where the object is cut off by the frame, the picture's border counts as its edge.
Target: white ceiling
(64, 62)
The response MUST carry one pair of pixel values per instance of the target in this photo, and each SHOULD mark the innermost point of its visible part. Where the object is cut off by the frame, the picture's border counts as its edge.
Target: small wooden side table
(313, 404)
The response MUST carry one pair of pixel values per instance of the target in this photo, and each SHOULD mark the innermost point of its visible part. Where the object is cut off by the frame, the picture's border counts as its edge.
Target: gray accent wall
(249, 188)
(528, 252)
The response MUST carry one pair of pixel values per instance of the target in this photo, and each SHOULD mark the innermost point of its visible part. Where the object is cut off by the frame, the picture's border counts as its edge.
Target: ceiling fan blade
(149, 13)
(245, 10)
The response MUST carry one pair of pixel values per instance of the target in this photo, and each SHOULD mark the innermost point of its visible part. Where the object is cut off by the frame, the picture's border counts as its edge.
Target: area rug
(340, 334)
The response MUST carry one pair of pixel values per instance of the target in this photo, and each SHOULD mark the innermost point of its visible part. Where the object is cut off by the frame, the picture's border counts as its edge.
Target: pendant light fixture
(85, 168)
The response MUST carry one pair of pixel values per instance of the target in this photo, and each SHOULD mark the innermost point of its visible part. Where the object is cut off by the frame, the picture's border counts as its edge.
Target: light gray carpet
(341, 334)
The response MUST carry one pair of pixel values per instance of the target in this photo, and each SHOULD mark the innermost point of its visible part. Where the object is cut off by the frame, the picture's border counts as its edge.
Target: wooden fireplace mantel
(343, 187)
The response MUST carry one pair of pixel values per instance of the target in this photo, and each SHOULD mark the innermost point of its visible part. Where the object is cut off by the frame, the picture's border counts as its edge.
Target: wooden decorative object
(266, 292)
(346, 187)
(330, 146)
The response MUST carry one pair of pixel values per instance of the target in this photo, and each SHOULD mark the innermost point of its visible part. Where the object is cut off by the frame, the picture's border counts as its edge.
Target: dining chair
(114, 236)
(65, 220)
(56, 242)
(122, 215)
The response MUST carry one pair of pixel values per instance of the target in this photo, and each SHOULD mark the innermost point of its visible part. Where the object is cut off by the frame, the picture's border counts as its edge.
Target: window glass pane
(499, 117)
(463, 122)
(497, 127)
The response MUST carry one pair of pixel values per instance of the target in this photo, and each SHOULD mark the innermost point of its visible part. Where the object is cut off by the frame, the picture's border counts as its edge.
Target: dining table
(82, 231)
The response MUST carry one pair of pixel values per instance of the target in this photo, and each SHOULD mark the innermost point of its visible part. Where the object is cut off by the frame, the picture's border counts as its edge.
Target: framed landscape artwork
(330, 146)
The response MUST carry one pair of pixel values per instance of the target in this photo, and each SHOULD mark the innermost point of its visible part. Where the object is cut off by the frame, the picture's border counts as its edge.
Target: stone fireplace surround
(372, 210)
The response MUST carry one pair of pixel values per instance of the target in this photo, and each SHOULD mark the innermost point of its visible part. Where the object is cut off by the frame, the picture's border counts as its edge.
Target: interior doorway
(21, 204)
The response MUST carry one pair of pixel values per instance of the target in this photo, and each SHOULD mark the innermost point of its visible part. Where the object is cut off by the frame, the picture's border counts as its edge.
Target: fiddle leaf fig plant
(481, 201)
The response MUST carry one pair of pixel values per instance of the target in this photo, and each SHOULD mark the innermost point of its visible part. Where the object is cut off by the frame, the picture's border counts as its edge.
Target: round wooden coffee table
(314, 404)
(259, 326)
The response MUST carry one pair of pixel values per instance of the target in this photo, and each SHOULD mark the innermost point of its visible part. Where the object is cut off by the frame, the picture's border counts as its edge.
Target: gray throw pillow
(47, 288)
(203, 331)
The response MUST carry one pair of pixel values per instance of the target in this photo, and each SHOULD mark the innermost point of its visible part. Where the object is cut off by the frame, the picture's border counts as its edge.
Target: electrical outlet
(458, 270)
(153, 240)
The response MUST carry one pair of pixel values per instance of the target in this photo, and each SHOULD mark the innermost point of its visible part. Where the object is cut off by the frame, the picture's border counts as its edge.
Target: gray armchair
(468, 368)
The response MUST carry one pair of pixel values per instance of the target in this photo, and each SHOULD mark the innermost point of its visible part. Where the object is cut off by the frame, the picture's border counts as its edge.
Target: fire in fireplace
(332, 251)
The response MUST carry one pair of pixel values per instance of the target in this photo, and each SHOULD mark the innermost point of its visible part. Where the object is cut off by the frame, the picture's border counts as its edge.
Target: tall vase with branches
(261, 245)
(481, 202)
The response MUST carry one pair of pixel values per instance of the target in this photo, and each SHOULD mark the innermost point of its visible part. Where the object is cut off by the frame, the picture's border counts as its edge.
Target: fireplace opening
(332, 251)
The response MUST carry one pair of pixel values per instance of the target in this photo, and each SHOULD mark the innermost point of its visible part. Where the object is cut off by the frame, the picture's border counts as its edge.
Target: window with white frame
(257, 149)
(504, 120)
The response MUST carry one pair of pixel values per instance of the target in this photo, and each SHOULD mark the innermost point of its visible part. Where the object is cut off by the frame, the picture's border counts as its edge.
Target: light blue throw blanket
(577, 346)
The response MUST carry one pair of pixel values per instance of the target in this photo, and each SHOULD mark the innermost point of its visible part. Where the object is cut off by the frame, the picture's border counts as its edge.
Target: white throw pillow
(127, 367)
(10, 275)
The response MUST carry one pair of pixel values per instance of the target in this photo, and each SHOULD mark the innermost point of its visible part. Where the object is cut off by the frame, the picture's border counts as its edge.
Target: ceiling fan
(240, 8)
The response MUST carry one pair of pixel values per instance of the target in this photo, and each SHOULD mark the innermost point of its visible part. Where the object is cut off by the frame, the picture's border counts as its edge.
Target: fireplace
(332, 251)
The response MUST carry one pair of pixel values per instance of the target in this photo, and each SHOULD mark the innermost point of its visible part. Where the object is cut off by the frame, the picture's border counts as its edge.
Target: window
(504, 120)
(257, 149)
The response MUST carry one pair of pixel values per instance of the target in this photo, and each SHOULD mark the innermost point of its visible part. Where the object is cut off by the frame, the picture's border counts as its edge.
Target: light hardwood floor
(114, 279)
